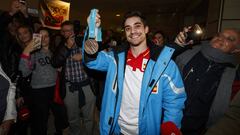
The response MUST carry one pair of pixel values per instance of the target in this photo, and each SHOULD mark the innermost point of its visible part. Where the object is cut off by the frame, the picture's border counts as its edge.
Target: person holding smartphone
(18, 7)
(208, 71)
(9, 22)
(76, 84)
(35, 60)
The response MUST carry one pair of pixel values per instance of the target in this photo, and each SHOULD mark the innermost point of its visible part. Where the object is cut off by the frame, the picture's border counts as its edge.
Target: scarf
(217, 55)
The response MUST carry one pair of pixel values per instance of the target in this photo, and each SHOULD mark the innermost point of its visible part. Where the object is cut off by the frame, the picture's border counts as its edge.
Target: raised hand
(15, 7)
(77, 57)
(29, 48)
(98, 18)
(182, 36)
(70, 41)
(23, 9)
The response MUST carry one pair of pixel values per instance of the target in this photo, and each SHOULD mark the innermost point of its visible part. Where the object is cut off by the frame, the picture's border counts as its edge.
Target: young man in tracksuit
(143, 86)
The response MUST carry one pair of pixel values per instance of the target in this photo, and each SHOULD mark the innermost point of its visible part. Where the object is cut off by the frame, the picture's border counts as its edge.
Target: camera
(194, 33)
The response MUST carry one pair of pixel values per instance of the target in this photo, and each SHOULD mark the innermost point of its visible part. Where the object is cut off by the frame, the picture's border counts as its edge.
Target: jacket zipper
(189, 72)
(116, 100)
(209, 67)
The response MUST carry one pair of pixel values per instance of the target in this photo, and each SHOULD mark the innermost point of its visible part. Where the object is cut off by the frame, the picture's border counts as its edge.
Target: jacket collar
(154, 49)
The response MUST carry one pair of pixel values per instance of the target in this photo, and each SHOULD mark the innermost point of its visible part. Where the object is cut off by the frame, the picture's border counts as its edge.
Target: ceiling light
(118, 15)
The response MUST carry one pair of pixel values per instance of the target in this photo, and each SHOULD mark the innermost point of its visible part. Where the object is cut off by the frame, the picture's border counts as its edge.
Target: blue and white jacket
(154, 109)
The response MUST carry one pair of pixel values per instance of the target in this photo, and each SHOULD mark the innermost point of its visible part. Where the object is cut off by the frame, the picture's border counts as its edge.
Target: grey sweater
(43, 74)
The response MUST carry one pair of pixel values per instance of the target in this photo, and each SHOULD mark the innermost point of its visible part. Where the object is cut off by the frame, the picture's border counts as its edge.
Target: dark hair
(46, 29)
(53, 38)
(25, 27)
(51, 42)
(77, 27)
(160, 32)
(134, 14)
(19, 18)
(67, 23)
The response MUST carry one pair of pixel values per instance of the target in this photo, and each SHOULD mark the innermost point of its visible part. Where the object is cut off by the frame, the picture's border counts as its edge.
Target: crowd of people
(145, 82)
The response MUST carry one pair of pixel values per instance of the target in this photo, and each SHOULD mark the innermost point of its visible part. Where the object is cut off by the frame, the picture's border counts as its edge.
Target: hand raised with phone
(189, 35)
(37, 40)
(15, 7)
(23, 7)
(182, 36)
(34, 44)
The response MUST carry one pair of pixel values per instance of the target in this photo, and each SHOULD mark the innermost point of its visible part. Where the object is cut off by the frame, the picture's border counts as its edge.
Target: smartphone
(22, 1)
(37, 41)
(195, 33)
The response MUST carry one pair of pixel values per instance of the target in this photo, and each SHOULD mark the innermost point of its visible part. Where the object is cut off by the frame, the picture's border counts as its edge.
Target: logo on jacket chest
(141, 65)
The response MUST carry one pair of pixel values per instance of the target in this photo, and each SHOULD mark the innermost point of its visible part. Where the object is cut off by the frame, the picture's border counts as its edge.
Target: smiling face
(24, 35)
(135, 31)
(227, 41)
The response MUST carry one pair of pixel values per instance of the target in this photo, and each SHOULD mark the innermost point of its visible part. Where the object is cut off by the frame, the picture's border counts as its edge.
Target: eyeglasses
(227, 38)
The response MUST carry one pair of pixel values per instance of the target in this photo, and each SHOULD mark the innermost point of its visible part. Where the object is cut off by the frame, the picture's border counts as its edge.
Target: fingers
(71, 37)
(77, 57)
(29, 48)
(187, 29)
(20, 101)
(70, 41)
(180, 39)
(97, 14)
(23, 7)
(30, 45)
(98, 18)
(182, 36)
(190, 42)
(59, 69)
(15, 7)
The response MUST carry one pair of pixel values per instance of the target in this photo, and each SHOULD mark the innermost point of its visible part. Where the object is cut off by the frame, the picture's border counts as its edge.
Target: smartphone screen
(37, 41)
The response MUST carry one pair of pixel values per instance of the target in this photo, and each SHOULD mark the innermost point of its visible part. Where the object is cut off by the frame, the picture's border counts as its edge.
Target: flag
(53, 13)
